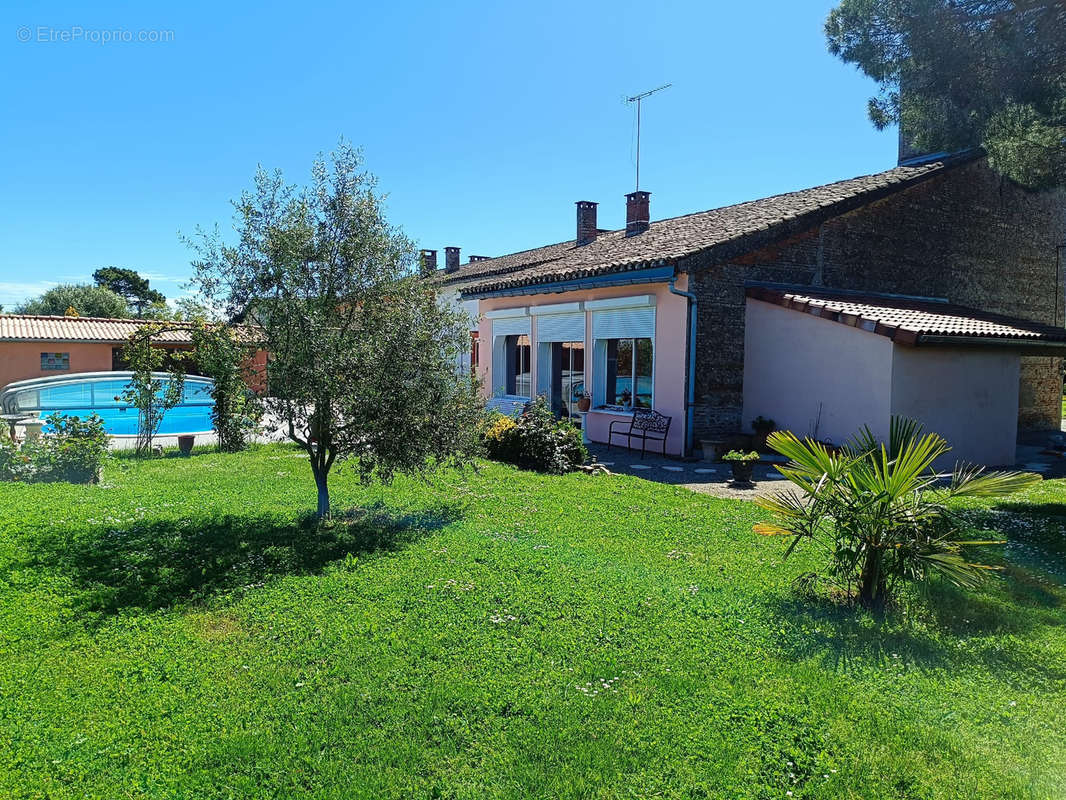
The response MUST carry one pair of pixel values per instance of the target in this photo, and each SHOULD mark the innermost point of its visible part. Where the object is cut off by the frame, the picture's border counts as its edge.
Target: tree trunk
(322, 482)
(872, 581)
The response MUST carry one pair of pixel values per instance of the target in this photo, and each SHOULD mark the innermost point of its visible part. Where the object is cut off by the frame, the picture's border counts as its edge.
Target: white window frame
(599, 347)
(513, 322)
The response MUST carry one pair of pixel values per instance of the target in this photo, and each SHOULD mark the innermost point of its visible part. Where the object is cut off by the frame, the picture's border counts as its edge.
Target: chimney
(427, 262)
(451, 259)
(586, 222)
(637, 219)
(475, 259)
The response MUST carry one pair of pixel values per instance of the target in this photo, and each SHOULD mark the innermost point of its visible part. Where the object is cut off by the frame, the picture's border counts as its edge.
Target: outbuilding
(825, 363)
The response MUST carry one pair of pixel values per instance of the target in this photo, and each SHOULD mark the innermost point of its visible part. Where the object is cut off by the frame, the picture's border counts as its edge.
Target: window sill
(617, 412)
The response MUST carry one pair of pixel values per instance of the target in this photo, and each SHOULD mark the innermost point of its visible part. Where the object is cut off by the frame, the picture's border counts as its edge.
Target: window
(568, 376)
(518, 353)
(55, 361)
(474, 354)
(628, 375)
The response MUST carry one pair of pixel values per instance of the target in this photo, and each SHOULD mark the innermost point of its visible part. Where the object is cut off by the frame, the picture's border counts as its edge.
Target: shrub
(536, 440)
(879, 509)
(499, 438)
(73, 451)
(221, 356)
(16, 464)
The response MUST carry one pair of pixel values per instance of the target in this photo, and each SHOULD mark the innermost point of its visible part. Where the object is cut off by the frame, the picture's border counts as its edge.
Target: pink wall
(20, 361)
(671, 335)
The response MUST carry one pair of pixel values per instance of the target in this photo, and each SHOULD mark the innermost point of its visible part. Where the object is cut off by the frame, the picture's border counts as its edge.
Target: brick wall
(966, 235)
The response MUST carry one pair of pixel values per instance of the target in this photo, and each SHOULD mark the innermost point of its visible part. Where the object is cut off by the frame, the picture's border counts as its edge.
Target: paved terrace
(716, 478)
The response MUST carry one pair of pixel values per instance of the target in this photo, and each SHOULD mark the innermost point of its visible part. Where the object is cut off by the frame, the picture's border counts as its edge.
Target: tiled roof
(31, 328)
(733, 229)
(911, 321)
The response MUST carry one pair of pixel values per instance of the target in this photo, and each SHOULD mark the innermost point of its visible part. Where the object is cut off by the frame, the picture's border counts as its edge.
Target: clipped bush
(536, 441)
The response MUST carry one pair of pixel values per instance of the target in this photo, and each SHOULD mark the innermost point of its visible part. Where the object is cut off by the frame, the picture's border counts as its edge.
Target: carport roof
(915, 321)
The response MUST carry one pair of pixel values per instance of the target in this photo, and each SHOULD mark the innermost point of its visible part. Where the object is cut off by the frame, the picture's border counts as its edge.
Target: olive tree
(363, 355)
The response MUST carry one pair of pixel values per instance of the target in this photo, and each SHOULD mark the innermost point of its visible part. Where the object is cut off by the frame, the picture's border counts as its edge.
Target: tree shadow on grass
(161, 563)
(847, 638)
(959, 630)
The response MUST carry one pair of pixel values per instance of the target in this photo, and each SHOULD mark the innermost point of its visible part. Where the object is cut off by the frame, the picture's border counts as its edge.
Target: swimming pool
(88, 393)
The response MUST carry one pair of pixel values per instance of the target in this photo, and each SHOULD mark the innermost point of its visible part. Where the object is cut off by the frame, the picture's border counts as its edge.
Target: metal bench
(646, 425)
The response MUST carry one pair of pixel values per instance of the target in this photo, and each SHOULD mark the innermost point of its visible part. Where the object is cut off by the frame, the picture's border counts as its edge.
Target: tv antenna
(636, 99)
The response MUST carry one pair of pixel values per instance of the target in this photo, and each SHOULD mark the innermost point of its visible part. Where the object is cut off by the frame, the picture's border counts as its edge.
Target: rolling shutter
(561, 327)
(510, 326)
(624, 323)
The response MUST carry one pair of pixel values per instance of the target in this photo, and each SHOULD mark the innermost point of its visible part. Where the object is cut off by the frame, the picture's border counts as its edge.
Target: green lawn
(180, 632)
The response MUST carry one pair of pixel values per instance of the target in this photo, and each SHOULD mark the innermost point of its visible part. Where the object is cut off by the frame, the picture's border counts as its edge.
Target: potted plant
(627, 399)
(185, 443)
(742, 463)
(585, 402)
(763, 427)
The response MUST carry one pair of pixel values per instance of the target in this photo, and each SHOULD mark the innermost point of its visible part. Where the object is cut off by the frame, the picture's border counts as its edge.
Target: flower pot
(584, 404)
(742, 471)
(185, 444)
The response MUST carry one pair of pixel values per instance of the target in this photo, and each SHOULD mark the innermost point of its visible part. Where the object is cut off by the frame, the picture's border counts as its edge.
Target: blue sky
(484, 121)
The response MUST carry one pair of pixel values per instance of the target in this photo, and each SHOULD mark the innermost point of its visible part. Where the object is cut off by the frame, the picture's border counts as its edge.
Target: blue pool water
(97, 394)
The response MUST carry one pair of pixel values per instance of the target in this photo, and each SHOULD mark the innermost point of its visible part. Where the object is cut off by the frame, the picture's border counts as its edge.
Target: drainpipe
(690, 377)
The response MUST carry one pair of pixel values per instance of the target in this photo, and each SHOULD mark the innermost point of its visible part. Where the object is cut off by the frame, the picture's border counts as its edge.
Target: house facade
(657, 314)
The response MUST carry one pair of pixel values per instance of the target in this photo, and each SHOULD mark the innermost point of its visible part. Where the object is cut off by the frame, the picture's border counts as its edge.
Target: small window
(55, 361)
(474, 350)
(518, 363)
(629, 379)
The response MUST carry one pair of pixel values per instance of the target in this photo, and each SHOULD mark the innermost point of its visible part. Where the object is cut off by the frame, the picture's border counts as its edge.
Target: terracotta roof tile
(910, 320)
(735, 229)
(32, 328)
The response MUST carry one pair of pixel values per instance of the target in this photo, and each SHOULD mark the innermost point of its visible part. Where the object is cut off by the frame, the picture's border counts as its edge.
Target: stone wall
(966, 235)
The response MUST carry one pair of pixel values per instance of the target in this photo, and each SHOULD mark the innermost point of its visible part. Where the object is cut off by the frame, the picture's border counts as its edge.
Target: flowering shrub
(497, 428)
(15, 463)
(536, 440)
(74, 451)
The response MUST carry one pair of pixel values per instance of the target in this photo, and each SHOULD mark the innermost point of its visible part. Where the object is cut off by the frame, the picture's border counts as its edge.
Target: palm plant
(879, 509)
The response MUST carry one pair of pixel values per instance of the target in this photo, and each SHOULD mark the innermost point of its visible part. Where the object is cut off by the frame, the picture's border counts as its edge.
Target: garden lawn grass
(184, 631)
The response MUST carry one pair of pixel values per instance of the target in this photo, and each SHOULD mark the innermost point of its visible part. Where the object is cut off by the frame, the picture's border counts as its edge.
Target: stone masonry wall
(966, 235)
